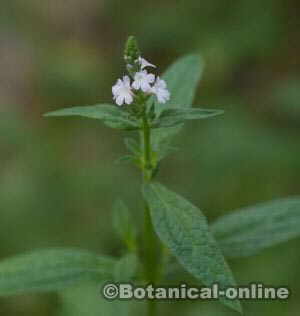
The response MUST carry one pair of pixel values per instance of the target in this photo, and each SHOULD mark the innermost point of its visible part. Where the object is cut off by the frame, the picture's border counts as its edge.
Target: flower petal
(120, 100)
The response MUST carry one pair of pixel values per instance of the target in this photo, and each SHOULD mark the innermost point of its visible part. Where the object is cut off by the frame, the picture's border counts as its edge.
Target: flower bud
(132, 52)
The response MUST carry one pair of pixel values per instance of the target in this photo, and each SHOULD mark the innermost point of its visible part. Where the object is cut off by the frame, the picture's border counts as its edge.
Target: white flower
(161, 91)
(144, 63)
(122, 91)
(142, 80)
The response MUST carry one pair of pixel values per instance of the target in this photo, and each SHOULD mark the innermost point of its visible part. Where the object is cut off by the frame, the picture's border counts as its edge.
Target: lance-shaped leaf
(125, 159)
(182, 79)
(249, 230)
(175, 116)
(111, 115)
(133, 146)
(124, 224)
(183, 228)
(126, 268)
(51, 270)
(87, 299)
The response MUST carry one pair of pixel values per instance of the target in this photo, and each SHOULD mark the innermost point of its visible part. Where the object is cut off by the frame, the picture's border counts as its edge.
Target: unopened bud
(132, 52)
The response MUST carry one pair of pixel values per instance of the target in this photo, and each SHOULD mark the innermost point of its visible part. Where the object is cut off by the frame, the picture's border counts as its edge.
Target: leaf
(175, 116)
(111, 115)
(51, 270)
(124, 224)
(125, 159)
(249, 230)
(184, 229)
(165, 151)
(126, 268)
(182, 79)
(87, 300)
(133, 146)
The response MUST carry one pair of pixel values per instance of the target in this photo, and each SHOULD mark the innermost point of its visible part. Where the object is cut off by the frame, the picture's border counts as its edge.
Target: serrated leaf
(183, 228)
(51, 270)
(124, 224)
(126, 268)
(175, 116)
(111, 115)
(249, 230)
(182, 79)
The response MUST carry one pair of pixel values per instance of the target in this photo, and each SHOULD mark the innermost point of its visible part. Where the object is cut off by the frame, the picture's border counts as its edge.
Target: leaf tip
(49, 114)
(235, 305)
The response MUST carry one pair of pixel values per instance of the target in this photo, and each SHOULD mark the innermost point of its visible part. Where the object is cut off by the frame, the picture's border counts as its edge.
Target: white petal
(128, 99)
(115, 90)
(126, 81)
(163, 84)
(116, 85)
(162, 95)
(144, 63)
(167, 95)
(160, 83)
(145, 86)
(150, 78)
(120, 100)
(136, 85)
(161, 99)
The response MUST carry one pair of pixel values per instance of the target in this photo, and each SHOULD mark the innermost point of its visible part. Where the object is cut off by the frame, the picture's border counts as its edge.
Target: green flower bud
(132, 52)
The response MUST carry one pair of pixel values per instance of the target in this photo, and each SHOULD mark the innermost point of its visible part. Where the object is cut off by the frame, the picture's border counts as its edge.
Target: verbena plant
(156, 110)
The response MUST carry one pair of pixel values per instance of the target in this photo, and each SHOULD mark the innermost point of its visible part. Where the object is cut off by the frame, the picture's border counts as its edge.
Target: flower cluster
(124, 91)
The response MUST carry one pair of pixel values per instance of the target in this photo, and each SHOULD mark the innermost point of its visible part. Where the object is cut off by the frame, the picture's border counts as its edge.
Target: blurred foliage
(57, 177)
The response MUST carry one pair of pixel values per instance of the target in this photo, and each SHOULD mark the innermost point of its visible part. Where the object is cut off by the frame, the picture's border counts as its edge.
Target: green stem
(151, 246)
(151, 308)
(148, 168)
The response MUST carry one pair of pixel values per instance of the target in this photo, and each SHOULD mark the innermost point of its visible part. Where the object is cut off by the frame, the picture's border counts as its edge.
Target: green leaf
(51, 270)
(125, 159)
(249, 230)
(86, 299)
(124, 224)
(184, 229)
(111, 115)
(166, 151)
(175, 116)
(133, 146)
(182, 79)
(126, 268)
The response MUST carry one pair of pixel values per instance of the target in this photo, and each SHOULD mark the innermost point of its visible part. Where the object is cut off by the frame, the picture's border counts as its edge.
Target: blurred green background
(57, 176)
